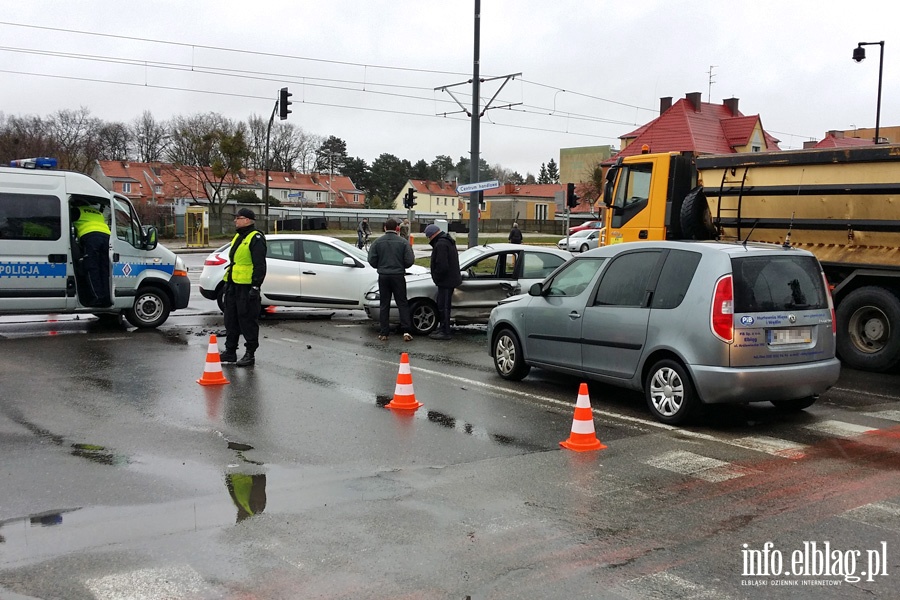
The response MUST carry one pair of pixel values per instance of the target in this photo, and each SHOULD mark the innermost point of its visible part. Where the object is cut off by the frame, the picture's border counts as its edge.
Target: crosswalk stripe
(839, 428)
(773, 446)
(879, 514)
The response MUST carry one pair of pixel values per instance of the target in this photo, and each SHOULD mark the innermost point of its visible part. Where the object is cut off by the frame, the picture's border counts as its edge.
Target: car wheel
(509, 359)
(794, 405)
(868, 329)
(150, 309)
(220, 297)
(669, 392)
(584, 248)
(423, 314)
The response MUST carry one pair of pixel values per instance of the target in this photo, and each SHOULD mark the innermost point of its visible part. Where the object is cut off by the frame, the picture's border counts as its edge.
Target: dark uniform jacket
(444, 261)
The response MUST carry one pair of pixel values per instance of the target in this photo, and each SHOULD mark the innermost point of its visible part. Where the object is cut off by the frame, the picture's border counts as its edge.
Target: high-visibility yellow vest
(241, 270)
(90, 220)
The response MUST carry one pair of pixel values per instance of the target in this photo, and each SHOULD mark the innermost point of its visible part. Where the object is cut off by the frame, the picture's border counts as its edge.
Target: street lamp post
(859, 54)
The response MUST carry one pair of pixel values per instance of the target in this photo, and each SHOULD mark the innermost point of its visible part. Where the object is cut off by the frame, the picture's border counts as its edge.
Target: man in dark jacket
(391, 255)
(445, 274)
(243, 280)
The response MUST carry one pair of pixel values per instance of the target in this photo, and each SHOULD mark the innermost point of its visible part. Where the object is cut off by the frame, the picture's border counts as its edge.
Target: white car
(580, 241)
(306, 271)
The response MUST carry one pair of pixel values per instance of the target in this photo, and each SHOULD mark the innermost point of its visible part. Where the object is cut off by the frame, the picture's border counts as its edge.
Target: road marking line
(696, 465)
(773, 446)
(890, 415)
(148, 584)
(864, 393)
(667, 585)
(878, 514)
(840, 428)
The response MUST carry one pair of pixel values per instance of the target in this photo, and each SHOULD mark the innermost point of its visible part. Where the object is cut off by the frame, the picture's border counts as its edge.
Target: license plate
(794, 335)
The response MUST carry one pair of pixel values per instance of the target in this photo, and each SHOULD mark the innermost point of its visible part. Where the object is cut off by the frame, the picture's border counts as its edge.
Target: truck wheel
(150, 309)
(868, 329)
(695, 219)
(424, 317)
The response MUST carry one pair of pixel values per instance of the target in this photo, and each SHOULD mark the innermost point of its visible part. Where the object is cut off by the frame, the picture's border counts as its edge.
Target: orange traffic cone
(583, 437)
(212, 371)
(404, 396)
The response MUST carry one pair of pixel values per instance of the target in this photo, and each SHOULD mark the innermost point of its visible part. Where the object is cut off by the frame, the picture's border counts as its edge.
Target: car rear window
(766, 283)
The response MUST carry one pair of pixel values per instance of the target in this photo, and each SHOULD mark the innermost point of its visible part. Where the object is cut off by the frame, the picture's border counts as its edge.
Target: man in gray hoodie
(391, 255)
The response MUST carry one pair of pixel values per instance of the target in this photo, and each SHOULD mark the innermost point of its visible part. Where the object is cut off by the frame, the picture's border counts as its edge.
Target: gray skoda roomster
(686, 322)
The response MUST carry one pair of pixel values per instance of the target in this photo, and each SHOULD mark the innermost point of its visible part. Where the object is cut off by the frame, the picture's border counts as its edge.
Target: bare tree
(149, 138)
(256, 142)
(113, 140)
(210, 150)
(24, 137)
(77, 137)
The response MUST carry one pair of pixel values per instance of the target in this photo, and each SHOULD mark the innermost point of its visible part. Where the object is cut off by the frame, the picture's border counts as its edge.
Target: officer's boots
(248, 359)
(229, 356)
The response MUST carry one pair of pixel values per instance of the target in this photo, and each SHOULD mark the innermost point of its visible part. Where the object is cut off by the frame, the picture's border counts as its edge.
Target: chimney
(732, 105)
(509, 188)
(665, 104)
(694, 99)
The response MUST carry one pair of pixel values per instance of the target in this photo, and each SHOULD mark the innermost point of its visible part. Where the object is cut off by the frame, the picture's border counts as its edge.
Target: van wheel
(150, 309)
(868, 329)
(695, 219)
(424, 317)
(795, 405)
(669, 392)
(508, 357)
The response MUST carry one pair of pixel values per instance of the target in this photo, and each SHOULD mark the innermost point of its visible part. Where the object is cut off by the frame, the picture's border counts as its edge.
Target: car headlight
(373, 295)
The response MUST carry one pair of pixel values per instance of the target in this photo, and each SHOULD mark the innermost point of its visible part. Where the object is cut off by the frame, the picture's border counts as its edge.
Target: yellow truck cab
(40, 256)
(842, 204)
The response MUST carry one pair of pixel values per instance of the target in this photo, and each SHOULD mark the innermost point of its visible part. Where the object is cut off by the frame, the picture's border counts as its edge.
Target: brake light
(214, 261)
(828, 289)
(722, 312)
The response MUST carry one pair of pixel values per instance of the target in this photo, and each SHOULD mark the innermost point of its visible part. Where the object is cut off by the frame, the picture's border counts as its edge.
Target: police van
(42, 263)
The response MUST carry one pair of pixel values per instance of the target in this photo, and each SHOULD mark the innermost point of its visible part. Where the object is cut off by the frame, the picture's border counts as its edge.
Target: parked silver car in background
(685, 322)
(490, 273)
(580, 241)
(303, 270)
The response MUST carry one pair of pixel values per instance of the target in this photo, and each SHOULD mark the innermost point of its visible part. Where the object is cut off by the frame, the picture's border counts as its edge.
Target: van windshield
(766, 283)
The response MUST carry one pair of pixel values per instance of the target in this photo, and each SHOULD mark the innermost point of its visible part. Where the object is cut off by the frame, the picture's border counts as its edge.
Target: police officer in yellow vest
(93, 235)
(243, 279)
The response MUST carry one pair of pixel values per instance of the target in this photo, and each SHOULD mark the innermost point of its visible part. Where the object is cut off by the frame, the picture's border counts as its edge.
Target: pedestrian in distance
(515, 236)
(93, 232)
(362, 233)
(404, 229)
(391, 255)
(445, 274)
(243, 279)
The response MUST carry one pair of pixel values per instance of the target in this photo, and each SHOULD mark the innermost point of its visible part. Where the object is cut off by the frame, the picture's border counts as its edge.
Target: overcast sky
(365, 70)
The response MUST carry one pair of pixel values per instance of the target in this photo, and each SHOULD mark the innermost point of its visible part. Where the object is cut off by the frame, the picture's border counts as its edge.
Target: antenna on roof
(711, 81)
(749, 233)
(787, 238)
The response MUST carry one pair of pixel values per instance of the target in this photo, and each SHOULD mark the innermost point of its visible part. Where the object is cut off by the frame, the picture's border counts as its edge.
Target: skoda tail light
(722, 312)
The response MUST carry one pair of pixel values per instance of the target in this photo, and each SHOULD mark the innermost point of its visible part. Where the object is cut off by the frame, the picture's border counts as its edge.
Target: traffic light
(571, 198)
(409, 200)
(283, 103)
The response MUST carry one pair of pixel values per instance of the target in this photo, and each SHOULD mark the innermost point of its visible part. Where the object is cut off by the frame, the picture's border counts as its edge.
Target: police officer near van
(93, 235)
(243, 280)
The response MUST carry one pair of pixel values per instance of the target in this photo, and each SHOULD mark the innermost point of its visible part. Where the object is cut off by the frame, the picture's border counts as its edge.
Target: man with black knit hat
(445, 274)
(243, 280)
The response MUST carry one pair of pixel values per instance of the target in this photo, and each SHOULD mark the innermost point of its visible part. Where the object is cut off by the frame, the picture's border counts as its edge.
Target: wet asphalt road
(124, 478)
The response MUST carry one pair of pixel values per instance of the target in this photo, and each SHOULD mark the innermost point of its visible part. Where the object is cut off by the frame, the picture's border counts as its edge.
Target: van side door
(36, 273)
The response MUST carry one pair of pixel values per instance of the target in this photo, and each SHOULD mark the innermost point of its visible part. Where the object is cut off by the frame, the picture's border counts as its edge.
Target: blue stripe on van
(135, 269)
(18, 270)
